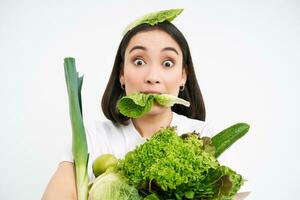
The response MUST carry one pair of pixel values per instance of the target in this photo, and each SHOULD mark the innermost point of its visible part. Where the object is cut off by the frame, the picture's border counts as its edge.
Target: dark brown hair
(191, 92)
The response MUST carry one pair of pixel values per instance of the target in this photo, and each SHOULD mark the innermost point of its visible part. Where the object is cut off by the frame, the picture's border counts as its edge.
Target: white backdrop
(246, 55)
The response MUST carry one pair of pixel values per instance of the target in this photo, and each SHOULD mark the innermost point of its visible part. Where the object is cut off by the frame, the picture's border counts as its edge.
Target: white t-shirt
(105, 137)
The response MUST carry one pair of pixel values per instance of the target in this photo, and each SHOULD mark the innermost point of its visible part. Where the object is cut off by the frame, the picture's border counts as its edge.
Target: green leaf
(169, 100)
(226, 185)
(137, 104)
(151, 197)
(154, 18)
(112, 186)
(189, 194)
(208, 146)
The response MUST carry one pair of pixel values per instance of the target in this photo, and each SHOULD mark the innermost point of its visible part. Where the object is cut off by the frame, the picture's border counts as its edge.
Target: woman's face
(153, 64)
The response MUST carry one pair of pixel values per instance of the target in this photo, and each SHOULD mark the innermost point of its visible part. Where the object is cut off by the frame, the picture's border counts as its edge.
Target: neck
(151, 123)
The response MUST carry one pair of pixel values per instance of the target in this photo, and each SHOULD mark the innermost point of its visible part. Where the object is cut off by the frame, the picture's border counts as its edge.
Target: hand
(241, 195)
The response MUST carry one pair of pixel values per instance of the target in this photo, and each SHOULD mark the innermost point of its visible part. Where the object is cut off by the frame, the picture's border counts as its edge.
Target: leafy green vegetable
(135, 105)
(230, 176)
(187, 170)
(79, 143)
(151, 197)
(138, 104)
(111, 186)
(168, 100)
(154, 18)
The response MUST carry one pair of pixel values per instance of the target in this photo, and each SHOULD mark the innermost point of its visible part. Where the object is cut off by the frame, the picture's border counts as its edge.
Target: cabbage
(111, 186)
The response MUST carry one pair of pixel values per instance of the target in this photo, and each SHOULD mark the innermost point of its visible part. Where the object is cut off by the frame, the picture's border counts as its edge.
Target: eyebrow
(145, 49)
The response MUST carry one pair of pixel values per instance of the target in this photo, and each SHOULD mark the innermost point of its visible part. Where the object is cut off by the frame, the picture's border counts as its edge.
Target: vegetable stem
(79, 143)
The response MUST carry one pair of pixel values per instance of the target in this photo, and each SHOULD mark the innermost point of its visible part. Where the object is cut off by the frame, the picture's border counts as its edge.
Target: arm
(241, 195)
(62, 185)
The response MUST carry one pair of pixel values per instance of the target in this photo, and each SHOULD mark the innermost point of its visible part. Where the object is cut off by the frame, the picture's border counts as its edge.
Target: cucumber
(227, 137)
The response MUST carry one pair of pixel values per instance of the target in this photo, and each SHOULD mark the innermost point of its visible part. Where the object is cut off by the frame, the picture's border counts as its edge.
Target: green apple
(103, 162)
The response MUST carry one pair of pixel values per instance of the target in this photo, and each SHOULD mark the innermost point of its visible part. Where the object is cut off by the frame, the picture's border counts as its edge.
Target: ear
(184, 76)
(121, 77)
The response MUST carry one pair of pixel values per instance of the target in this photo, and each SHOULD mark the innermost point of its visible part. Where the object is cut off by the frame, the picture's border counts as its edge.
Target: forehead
(153, 39)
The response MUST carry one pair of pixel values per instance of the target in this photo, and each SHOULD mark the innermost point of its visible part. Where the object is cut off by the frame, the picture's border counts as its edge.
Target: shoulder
(185, 124)
(104, 136)
(102, 128)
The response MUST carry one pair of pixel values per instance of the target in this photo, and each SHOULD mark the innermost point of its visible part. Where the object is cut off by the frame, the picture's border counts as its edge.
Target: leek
(79, 143)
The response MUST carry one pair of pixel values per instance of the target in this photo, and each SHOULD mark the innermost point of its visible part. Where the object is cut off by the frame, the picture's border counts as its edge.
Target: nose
(152, 81)
(153, 76)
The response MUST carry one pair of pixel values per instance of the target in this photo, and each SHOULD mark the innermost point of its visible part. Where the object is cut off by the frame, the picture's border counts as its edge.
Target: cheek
(172, 82)
(132, 80)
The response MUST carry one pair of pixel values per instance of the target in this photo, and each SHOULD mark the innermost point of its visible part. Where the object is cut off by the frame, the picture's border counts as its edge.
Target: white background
(246, 55)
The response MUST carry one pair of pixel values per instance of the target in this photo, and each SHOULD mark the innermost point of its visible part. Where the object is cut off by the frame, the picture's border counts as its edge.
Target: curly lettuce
(172, 167)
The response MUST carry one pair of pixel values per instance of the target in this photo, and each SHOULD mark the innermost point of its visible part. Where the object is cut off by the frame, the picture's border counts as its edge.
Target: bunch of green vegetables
(189, 168)
(169, 166)
(166, 166)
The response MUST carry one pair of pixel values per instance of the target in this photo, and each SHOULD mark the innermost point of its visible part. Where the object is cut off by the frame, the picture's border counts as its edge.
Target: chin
(157, 109)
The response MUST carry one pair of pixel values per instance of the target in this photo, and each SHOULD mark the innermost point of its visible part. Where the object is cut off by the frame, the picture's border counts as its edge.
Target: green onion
(79, 143)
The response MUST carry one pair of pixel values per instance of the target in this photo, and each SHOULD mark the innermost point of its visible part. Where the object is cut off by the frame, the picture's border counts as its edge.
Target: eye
(168, 63)
(139, 62)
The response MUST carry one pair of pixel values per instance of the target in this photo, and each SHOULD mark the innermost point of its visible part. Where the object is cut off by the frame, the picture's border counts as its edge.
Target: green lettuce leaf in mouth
(154, 18)
(138, 104)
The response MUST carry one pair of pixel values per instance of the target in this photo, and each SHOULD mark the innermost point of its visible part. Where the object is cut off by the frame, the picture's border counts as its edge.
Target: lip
(151, 91)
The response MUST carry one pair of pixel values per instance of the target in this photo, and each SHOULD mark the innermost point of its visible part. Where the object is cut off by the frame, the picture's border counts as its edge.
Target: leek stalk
(79, 142)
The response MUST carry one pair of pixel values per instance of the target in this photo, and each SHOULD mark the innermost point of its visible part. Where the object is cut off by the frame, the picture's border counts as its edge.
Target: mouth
(151, 92)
